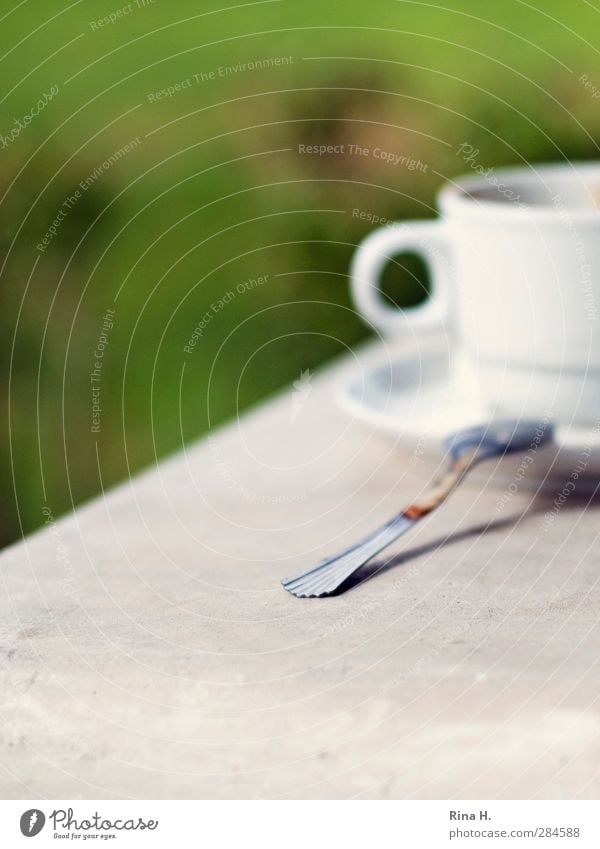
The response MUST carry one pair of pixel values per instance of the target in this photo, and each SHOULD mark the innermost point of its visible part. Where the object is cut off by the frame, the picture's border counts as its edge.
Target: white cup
(515, 270)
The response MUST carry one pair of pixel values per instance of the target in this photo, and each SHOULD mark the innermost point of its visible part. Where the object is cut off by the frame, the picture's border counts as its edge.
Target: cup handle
(426, 238)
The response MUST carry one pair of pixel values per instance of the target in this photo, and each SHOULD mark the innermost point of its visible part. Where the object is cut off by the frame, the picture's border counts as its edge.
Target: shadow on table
(542, 504)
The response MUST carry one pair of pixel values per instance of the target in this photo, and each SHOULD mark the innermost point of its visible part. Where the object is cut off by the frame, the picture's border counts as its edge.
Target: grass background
(217, 192)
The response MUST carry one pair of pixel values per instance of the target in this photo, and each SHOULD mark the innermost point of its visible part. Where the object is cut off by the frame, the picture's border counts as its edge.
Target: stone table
(150, 652)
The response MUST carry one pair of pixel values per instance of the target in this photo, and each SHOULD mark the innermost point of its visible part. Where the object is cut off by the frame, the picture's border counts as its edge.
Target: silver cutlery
(466, 449)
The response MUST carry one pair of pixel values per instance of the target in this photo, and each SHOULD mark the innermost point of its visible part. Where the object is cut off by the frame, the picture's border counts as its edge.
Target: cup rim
(455, 195)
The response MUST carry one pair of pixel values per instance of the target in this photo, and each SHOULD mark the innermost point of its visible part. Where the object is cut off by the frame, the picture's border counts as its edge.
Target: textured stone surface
(148, 650)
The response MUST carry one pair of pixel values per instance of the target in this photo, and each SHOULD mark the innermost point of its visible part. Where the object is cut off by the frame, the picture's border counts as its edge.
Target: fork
(466, 449)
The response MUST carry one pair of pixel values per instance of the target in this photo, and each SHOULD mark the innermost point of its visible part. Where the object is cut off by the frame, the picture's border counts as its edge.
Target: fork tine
(327, 576)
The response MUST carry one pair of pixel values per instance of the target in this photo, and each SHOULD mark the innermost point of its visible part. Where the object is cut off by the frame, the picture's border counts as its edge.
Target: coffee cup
(514, 260)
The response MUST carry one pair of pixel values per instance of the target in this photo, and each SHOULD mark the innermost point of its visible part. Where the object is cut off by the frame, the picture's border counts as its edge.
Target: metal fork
(466, 449)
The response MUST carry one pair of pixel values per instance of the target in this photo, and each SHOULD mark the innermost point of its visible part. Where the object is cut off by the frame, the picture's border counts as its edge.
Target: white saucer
(419, 400)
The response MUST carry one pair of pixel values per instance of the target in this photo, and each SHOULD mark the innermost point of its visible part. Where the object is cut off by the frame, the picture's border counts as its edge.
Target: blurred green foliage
(217, 192)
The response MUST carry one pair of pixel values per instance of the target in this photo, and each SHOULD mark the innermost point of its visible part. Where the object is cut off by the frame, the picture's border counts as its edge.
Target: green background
(217, 192)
